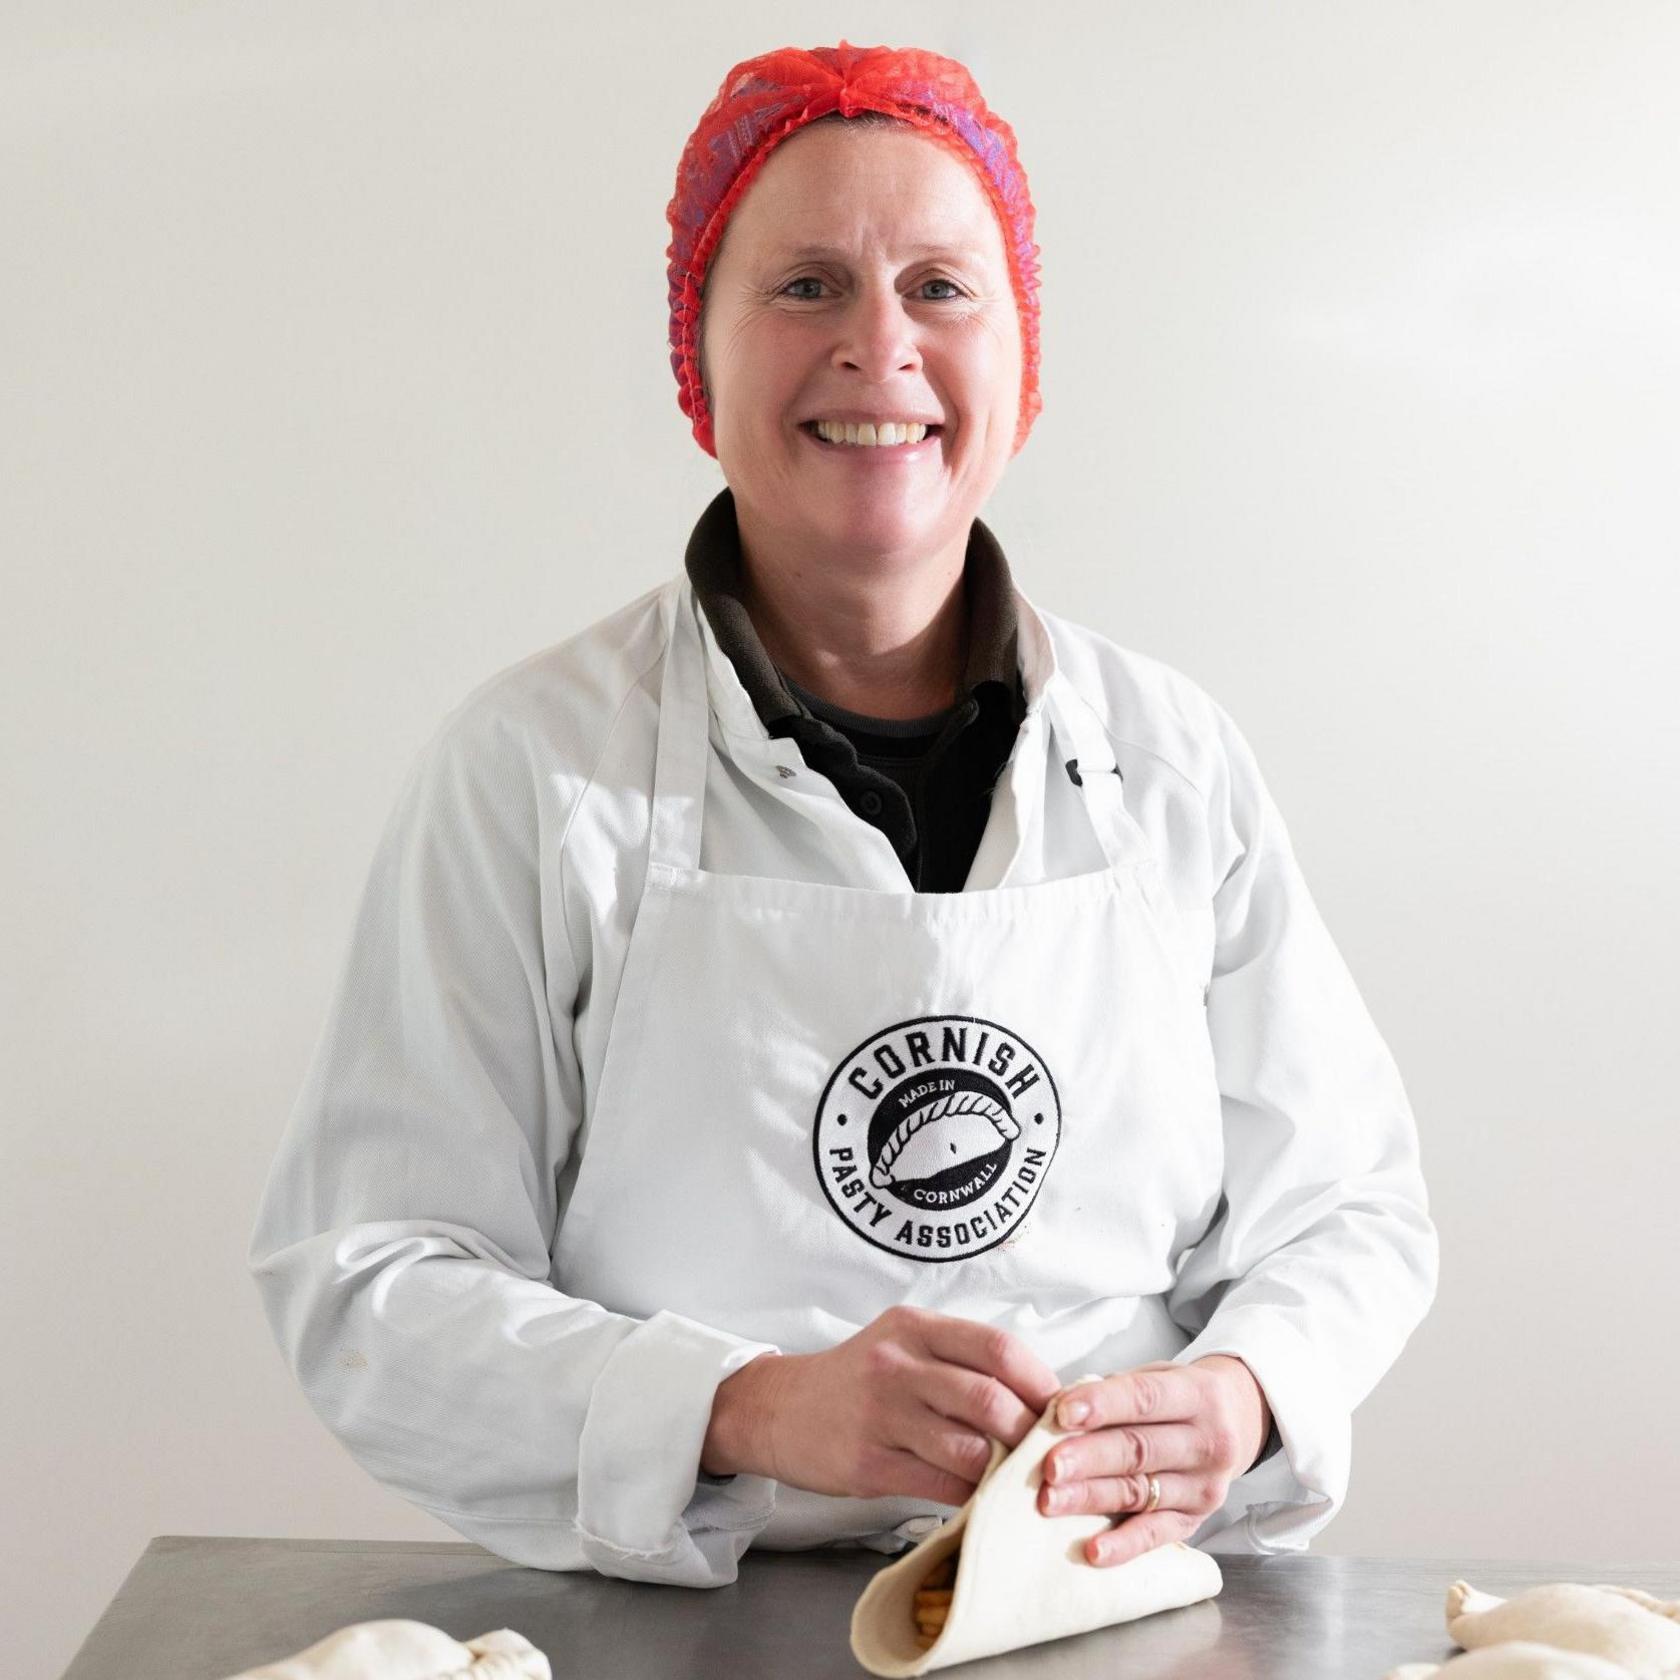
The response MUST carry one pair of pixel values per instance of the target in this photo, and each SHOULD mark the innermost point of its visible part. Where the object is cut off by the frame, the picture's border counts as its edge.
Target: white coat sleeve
(402, 1244)
(1321, 1258)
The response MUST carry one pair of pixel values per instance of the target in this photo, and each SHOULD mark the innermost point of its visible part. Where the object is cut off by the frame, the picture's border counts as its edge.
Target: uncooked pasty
(401, 1650)
(1516, 1659)
(1016, 1576)
(1620, 1624)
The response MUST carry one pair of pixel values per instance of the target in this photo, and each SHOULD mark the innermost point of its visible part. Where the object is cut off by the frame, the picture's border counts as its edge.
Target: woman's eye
(812, 280)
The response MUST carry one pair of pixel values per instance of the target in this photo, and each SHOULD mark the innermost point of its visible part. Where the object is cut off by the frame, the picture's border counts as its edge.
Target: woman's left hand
(1193, 1427)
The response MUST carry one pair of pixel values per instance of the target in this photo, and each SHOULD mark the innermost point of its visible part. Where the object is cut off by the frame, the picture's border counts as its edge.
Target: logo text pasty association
(933, 1137)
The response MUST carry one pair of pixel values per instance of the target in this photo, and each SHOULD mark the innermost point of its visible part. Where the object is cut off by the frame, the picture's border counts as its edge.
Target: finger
(946, 1445)
(1150, 1394)
(986, 1405)
(913, 1478)
(1127, 1450)
(1137, 1535)
(996, 1352)
(1119, 1495)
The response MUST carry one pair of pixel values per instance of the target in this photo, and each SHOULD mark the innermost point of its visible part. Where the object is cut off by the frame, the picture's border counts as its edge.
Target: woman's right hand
(908, 1406)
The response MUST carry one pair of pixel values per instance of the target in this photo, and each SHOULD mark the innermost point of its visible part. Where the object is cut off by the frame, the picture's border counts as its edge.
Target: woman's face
(862, 273)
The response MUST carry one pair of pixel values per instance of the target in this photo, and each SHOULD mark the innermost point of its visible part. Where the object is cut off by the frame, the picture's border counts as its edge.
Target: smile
(919, 450)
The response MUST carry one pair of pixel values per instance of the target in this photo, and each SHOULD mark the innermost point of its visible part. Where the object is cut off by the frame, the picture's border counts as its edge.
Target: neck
(883, 640)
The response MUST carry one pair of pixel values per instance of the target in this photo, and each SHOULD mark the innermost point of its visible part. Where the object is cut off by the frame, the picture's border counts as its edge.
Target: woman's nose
(879, 336)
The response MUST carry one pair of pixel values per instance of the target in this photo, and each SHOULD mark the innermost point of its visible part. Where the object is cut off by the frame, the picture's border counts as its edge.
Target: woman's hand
(1193, 1427)
(907, 1406)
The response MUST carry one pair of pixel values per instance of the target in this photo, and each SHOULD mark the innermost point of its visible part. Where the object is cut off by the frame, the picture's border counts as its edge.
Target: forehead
(830, 189)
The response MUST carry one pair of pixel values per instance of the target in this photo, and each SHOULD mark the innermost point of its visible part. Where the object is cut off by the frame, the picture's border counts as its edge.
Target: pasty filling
(933, 1599)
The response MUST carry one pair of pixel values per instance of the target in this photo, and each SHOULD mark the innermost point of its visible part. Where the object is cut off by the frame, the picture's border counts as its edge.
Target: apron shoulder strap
(1087, 757)
(679, 765)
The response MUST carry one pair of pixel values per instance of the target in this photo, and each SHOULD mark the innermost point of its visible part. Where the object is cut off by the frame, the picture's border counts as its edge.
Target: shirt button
(871, 803)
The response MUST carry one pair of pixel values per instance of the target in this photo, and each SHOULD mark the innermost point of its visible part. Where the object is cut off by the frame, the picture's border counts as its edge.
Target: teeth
(889, 433)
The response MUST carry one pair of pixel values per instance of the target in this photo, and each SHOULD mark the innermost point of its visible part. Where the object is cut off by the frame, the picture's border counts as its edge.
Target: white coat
(416, 1248)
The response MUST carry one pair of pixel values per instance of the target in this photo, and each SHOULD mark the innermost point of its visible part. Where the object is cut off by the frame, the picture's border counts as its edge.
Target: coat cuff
(1290, 1493)
(643, 1511)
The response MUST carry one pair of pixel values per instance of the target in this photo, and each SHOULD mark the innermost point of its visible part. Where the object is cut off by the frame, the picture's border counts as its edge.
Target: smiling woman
(798, 1024)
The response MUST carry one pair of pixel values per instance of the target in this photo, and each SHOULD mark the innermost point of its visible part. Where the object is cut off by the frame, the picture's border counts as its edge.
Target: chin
(872, 522)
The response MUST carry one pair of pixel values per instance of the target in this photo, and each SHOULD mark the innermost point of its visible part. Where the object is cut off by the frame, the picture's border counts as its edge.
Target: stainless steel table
(203, 1608)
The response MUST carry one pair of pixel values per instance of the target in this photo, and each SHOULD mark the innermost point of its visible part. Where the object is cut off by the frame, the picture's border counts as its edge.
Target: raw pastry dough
(1515, 1659)
(400, 1650)
(1021, 1577)
(1621, 1624)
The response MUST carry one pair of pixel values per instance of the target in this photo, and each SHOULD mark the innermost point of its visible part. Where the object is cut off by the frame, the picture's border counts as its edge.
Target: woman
(798, 1024)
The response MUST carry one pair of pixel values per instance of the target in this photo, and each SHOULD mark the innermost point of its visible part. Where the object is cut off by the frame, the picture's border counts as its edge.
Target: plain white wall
(335, 379)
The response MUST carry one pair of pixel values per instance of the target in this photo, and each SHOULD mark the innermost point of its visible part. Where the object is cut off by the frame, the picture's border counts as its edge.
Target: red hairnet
(765, 99)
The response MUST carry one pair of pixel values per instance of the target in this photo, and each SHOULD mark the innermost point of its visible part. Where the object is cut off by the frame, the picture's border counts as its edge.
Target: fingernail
(1074, 1412)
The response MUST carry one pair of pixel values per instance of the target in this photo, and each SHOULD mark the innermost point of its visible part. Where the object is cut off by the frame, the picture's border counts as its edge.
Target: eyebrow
(827, 253)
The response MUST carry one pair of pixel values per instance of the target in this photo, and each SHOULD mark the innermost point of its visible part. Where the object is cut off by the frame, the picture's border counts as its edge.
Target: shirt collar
(998, 651)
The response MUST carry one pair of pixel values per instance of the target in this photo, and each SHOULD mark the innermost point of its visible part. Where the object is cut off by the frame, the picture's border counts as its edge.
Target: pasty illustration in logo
(948, 1132)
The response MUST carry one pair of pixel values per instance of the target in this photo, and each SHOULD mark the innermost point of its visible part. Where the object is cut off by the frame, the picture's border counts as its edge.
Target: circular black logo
(933, 1137)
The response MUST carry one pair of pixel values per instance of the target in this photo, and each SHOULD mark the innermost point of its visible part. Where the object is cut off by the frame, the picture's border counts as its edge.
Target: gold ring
(1154, 1495)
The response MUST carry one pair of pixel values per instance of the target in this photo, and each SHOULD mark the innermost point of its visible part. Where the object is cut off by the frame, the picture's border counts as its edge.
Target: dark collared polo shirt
(926, 783)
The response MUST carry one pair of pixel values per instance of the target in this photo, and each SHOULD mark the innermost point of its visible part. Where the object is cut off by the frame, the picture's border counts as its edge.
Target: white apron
(818, 1101)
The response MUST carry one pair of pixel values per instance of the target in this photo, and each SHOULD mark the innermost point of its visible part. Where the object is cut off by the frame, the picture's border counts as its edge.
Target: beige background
(335, 380)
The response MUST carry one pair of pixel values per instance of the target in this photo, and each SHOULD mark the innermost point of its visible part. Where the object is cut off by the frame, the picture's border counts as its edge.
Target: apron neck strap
(685, 715)
(1085, 755)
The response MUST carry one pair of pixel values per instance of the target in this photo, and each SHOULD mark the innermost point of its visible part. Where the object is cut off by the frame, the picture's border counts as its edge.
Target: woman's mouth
(879, 453)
